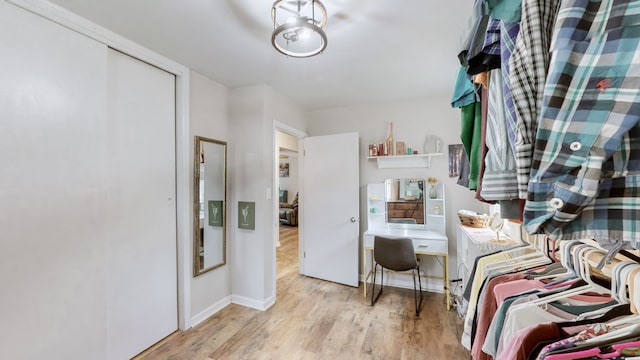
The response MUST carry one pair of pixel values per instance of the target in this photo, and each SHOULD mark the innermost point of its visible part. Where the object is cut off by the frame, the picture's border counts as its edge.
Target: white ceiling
(378, 50)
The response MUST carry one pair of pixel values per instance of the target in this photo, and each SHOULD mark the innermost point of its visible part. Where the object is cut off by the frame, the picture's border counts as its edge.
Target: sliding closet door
(141, 250)
(52, 190)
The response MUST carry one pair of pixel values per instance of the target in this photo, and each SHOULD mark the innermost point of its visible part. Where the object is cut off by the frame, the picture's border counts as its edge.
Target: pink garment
(503, 291)
(485, 314)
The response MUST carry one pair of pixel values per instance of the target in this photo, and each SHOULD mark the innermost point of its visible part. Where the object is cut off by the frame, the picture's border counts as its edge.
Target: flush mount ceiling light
(298, 27)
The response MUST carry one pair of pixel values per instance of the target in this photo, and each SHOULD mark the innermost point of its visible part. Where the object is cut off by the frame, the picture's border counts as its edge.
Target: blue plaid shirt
(585, 181)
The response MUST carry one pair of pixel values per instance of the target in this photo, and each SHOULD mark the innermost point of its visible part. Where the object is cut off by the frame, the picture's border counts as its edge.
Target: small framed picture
(284, 169)
(455, 158)
(247, 215)
(216, 212)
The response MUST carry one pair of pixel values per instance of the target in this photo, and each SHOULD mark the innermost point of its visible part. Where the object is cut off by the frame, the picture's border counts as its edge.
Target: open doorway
(288, 185)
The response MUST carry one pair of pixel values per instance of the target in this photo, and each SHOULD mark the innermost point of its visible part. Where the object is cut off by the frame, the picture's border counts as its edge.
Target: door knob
(353, 219)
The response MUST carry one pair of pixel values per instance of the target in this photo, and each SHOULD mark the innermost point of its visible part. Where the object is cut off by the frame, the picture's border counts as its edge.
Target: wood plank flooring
(315, 319)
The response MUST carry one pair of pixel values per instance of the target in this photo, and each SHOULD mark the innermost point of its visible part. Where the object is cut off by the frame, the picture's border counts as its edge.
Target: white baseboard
(233, 299)
(210, 311)
(254, 304)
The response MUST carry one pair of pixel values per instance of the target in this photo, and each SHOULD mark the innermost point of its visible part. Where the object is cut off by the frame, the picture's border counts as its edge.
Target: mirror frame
(197, 270)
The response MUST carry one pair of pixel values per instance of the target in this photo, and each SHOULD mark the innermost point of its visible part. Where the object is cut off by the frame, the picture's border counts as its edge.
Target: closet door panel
(52, 190)
(141, 250)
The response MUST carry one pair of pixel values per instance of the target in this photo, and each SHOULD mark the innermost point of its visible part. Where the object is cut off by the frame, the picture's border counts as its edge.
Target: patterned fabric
(508, 36)
(589, 332)
(529, 63)
(489, 56)
(499, 180)
(585, 179)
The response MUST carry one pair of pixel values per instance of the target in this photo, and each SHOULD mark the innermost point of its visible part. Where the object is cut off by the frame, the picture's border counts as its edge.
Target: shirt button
(575, 146)
(556, 203)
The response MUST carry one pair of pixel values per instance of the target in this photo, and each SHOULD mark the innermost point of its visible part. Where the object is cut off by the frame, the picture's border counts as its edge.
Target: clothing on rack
(584, 175)
(544, 313)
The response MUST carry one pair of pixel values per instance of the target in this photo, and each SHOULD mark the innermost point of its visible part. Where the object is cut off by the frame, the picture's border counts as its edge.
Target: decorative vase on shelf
(433, 192)
(389, 140)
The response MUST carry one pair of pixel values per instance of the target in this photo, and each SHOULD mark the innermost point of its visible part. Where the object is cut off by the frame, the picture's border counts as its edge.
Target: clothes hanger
(584, 274)
(534, 256)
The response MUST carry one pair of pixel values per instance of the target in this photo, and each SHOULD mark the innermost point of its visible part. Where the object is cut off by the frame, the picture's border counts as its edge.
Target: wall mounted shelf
(404, 161)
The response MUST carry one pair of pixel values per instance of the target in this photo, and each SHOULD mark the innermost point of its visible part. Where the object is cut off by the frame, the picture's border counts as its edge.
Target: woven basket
(474, 221)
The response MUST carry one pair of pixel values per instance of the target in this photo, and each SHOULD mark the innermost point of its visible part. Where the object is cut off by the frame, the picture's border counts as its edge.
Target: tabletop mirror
(404, 202)
(209, 225)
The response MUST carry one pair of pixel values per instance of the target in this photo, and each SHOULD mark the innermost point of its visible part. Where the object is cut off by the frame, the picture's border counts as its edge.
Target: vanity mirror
(404, 203)
(209, 205)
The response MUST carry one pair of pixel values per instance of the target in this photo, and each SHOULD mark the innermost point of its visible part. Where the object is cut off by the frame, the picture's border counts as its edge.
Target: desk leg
(364, 270)
(447, 291)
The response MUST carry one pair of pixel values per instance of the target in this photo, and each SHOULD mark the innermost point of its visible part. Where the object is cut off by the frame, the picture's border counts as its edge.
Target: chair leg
(374, 296)
(415, 294)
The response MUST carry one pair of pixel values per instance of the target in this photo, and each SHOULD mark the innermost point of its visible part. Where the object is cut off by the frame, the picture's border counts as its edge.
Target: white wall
(412, 123)
(253, 110)
(209, 118)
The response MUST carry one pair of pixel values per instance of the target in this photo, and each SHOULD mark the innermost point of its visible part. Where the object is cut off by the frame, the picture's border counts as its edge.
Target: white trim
(277, 125)
(252, 303)
(83, 26)
(282, 127)
(183, 203)
(210, 311)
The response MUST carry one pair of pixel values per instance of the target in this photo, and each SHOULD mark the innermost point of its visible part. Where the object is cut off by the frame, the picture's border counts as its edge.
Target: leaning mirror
(209, 205)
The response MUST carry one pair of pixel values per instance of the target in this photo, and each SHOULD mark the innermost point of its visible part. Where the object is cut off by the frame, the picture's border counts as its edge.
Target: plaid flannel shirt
(585, 181)
(528, 64)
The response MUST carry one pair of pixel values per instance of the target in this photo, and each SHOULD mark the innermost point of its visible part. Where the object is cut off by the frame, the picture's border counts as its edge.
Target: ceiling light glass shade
(298, 27)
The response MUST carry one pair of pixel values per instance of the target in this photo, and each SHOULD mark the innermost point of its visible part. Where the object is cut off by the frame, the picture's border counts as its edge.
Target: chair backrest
(395, 254)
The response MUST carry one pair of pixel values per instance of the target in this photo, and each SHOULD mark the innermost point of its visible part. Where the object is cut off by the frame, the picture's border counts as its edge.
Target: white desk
(474, 242)
(425, 242)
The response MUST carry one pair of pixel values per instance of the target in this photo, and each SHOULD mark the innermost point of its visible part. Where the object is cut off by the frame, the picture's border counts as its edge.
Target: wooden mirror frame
(215, 201)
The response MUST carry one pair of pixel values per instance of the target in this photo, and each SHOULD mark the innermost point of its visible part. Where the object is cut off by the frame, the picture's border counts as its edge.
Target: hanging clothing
(505, 10)
(471, 133)
(508, 37)
(528, 70)
(499, 178)
(585, 175)
(464, 91)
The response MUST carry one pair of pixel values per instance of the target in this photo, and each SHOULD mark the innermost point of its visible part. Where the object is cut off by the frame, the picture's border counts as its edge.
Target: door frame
(184, 212)
(287, 129)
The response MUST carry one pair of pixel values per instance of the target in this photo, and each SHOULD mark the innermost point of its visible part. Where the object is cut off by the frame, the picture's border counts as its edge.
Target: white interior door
(141, 254)
(330, 208)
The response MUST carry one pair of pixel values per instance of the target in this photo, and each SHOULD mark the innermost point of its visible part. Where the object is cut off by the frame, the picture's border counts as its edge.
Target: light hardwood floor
(315, 319)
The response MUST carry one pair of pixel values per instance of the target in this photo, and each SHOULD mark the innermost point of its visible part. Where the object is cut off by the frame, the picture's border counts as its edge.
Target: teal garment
(508, 11)
(464, 92)
(471, 136)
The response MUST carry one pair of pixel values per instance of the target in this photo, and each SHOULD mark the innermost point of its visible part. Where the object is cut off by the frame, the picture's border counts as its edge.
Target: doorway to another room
(287, 244)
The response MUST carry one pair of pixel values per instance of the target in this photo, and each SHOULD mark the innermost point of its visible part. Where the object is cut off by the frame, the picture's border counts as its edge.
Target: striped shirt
(528, 64)
(585, 173)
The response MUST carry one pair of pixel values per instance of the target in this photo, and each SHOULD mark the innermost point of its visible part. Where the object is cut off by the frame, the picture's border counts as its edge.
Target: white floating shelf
(404, 161)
